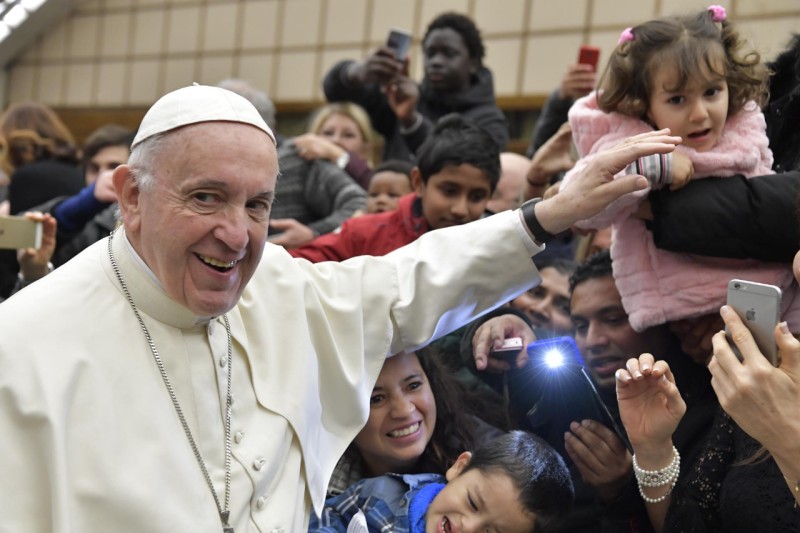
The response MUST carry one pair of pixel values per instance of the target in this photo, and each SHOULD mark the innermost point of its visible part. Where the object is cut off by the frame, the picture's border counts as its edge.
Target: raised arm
(732, 217)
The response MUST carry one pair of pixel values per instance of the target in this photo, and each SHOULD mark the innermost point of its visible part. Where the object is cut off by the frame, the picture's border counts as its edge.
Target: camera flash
(553, 359)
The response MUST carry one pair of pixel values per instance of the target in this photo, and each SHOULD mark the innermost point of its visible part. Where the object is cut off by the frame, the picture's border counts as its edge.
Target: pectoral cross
(226, 528)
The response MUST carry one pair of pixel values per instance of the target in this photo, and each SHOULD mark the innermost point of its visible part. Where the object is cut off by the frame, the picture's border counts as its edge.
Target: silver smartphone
(20, 232)
(400, 42)
(759, 307)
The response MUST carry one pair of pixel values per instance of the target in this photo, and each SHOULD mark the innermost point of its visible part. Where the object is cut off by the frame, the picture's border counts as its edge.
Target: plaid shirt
(384, 500)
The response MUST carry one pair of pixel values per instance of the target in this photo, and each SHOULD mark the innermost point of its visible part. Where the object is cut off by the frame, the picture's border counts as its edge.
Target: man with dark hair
(456, 81)
(567, 415)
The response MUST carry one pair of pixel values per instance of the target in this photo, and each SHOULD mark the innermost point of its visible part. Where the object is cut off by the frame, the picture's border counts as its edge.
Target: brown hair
(30, 132)
(694, 44)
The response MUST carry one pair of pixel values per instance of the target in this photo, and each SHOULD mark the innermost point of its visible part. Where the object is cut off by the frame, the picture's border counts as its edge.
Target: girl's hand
(650, 405)
(682, 170)
(763, 400)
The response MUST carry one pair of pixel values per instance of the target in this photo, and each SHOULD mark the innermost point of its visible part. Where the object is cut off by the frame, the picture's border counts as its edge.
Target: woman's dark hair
(697, 47)
(105, 136)
(455, 425)
(457, 141)
(535, 468)
(464, 26)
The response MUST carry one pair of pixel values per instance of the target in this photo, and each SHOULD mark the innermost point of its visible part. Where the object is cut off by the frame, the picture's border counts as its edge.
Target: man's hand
(381, 67)
(550, 159)
(402, 94)
(104, 188)
(492, 333)
(682, 171)
(33, 262)
(293, 234)
(594, 187)
(578, 81)
(600, 456)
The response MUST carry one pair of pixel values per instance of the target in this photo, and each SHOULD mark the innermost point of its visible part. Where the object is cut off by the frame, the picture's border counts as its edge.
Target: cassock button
(258, 464)
(237, 438)
(223, 361)
(261, 502)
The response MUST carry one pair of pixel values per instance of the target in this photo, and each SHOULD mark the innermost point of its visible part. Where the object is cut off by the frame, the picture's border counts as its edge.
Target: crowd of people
(242, 331)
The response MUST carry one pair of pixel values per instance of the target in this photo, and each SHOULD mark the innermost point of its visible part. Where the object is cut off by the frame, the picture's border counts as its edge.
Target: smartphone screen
(589, 55)
(400, 42)
(759, 307)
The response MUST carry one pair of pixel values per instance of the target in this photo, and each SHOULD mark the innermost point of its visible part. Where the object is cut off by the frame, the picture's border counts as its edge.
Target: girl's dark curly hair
(699, 49)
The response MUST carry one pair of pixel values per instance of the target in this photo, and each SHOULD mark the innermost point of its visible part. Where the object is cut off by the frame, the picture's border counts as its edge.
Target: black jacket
(477, 103)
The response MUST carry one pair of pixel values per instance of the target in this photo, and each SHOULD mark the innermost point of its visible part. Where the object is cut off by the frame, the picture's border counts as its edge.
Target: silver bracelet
(667, 476)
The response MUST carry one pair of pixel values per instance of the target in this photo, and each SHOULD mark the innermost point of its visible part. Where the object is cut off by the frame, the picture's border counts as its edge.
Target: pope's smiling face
(201, 223)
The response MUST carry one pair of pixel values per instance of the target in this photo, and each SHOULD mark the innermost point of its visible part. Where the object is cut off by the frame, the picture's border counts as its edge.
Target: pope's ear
(127, 194)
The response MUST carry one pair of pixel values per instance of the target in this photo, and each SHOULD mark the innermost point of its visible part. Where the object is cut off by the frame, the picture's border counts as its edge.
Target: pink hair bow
(718, 13)
(625, 36)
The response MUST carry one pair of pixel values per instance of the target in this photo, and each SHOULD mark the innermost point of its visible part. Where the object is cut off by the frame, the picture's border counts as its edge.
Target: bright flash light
(553, 358)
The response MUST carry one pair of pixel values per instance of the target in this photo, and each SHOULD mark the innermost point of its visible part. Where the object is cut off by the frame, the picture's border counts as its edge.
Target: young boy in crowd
(390, 181)
(514, 483)
(457, 169)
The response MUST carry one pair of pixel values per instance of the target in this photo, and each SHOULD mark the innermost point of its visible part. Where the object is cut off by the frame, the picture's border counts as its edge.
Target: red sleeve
(334, 246)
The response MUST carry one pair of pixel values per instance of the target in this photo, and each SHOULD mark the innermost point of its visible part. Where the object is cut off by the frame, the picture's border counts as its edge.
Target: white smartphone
(20, 232)
(759, 307)
(400, 42)
(508, 350)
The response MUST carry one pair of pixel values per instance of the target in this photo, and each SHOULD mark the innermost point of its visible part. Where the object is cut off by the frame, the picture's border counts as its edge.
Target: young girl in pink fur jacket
(686, 74)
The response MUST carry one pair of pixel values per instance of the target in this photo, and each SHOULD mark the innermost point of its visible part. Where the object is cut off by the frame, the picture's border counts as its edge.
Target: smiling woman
(417, 423)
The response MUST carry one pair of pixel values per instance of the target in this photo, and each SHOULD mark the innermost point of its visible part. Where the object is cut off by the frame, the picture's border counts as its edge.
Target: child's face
(402, 417)
(475, 501)
(454, 196)
(385, 188)
(696, 112)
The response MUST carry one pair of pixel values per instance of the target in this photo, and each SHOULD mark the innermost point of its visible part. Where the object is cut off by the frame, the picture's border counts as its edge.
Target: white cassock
(89, 438)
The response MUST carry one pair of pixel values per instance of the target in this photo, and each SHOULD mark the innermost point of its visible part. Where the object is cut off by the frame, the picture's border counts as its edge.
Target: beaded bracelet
(658, 478)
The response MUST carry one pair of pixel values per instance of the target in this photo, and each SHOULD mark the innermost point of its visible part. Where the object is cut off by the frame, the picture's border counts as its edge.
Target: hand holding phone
(759, 307)
(20, 232)
(589, 55)
(508, 350)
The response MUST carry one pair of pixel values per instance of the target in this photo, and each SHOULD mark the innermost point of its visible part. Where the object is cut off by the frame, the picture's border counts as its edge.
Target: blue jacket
(391, 502)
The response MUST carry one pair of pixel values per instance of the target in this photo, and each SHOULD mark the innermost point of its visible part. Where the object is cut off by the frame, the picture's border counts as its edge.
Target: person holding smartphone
(558, 406)
(740, 481)
(455, 81)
